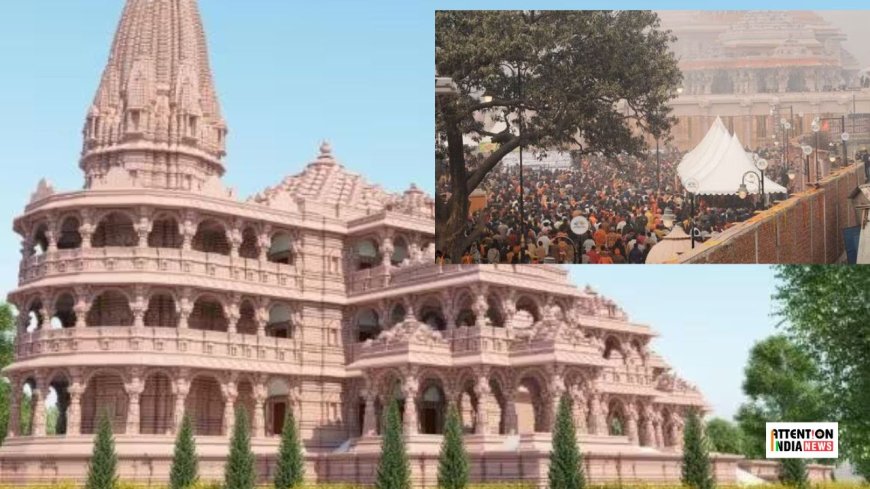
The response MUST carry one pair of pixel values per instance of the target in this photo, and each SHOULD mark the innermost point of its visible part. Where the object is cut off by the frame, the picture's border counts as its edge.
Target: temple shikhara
(155, 291)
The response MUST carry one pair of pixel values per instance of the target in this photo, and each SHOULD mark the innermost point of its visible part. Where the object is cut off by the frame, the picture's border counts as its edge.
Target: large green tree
(566, 466)
(566, 71)
(724, 436)
(7, 336)
(827, 311)
(782, 381)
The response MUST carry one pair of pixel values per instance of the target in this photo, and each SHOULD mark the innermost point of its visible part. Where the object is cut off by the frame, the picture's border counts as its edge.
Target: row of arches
(113, 308)
(118, 229)
(149, 409)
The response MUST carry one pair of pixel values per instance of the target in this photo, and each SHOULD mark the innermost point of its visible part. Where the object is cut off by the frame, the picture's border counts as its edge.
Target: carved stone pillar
(234, 238)
(557, 389)
(233, 313)
(480, 306)
(134, 391)
(387, 250)
(143, 227)
(262, 317)
(410, 388)
(264, 241)
(678, 431)
(86, 229)
(510, 413)
(14, 413)
(649, 436)
(659, 433)
(595, 423)
(185, 308)
(40, 392)
(74, 416)
(370, 419)
(182, 388)
(45, 311)
(579, 409)
(631, 423)
(82, 306)
(231, 394)
(51, 236)
(187, 229)
(139, 306)
(448, 309)
(258, 427)
(484, 395)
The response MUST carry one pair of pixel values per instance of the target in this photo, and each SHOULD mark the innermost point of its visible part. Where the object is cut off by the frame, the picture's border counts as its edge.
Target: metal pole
(692, 218)
(845, 153)
(763, 195)
(658, 167)
(818, 173)
(522, 187)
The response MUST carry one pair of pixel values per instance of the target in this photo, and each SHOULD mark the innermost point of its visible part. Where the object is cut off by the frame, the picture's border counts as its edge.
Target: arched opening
(530, 406)
(165, 233)
(110, 308)
(616, 418)
(392, 392)
(397, 314)
(249, 248)
(367, 325)
(432, 316)
(280, 321)
(281, 249)
(432, 409)
(35, 317)
(494, 312)
(64, 313)
(57, 405)
(161, 312)
(208, 315)
(528, 313)
(247, 318)
(496, 414)
(367, 254)
(465, 316)
(277, 406)
(400, 251)
(25, 407)
(722, 83)
(115, 229)
(69, 238)
(40, 240)
(156, 405)
(104, 393)
(205, 405)
(668, 428)
(211, 237)
(612, 348)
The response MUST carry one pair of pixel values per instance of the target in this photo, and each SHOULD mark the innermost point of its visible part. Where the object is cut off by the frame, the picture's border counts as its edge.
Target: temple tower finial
(155, 120)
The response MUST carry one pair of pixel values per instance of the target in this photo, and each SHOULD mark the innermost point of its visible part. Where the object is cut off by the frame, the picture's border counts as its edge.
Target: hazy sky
(707, 316)
(855, 24)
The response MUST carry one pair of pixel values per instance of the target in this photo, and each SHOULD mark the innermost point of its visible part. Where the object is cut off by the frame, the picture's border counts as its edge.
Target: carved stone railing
(159, 260)
(165, 341)
(369, 279)
(458, 342)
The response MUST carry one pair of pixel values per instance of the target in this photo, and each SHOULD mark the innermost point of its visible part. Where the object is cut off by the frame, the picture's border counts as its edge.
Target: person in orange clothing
(600, 236)
(605, 259)
(466, 258)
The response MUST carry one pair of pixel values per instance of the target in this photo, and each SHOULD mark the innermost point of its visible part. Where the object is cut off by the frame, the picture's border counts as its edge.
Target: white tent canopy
(717, 165)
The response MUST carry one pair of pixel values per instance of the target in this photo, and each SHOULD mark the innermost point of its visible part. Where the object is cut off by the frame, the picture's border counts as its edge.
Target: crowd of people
(625, 200)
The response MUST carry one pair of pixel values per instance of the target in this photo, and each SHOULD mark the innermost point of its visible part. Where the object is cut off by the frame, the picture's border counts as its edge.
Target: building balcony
(185, 267)
(167, 347)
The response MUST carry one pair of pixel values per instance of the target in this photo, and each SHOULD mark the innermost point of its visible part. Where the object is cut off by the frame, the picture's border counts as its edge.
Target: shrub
(185, 465)
(102, 469)
(793, 473)
(291, 468)
(696, 457)
(453, 461)
(239, 472)
(393, 469)
(566, 470)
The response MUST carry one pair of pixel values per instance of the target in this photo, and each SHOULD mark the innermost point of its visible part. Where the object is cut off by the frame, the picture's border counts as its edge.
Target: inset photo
(640, 137)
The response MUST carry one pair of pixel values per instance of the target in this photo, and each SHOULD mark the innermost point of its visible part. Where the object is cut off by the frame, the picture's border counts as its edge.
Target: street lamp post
(522, 186)
(807, 149)
(816, 127)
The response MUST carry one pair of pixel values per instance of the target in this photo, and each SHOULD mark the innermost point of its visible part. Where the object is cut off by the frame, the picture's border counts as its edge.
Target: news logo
(801, 440)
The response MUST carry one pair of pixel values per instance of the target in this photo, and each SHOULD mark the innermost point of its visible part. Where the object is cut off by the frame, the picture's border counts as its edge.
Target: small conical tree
(291, 468)
(239, 472)
(566, 466)
(696, 458)
(185, 465)
(453, 461)
(393, 469)
(102, 469)
(793, 472)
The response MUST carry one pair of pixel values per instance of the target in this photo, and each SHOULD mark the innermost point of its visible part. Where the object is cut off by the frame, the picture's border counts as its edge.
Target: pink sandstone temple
(155, 292)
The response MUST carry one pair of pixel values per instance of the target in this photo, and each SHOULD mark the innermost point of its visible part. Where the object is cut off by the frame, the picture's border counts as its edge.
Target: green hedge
(489, 485)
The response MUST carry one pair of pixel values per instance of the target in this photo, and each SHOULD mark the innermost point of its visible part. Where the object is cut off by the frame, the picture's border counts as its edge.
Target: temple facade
(756, 69)
(156, 292)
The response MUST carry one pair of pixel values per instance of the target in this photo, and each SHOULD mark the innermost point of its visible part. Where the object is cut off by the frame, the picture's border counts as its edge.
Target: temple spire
(155, 120)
